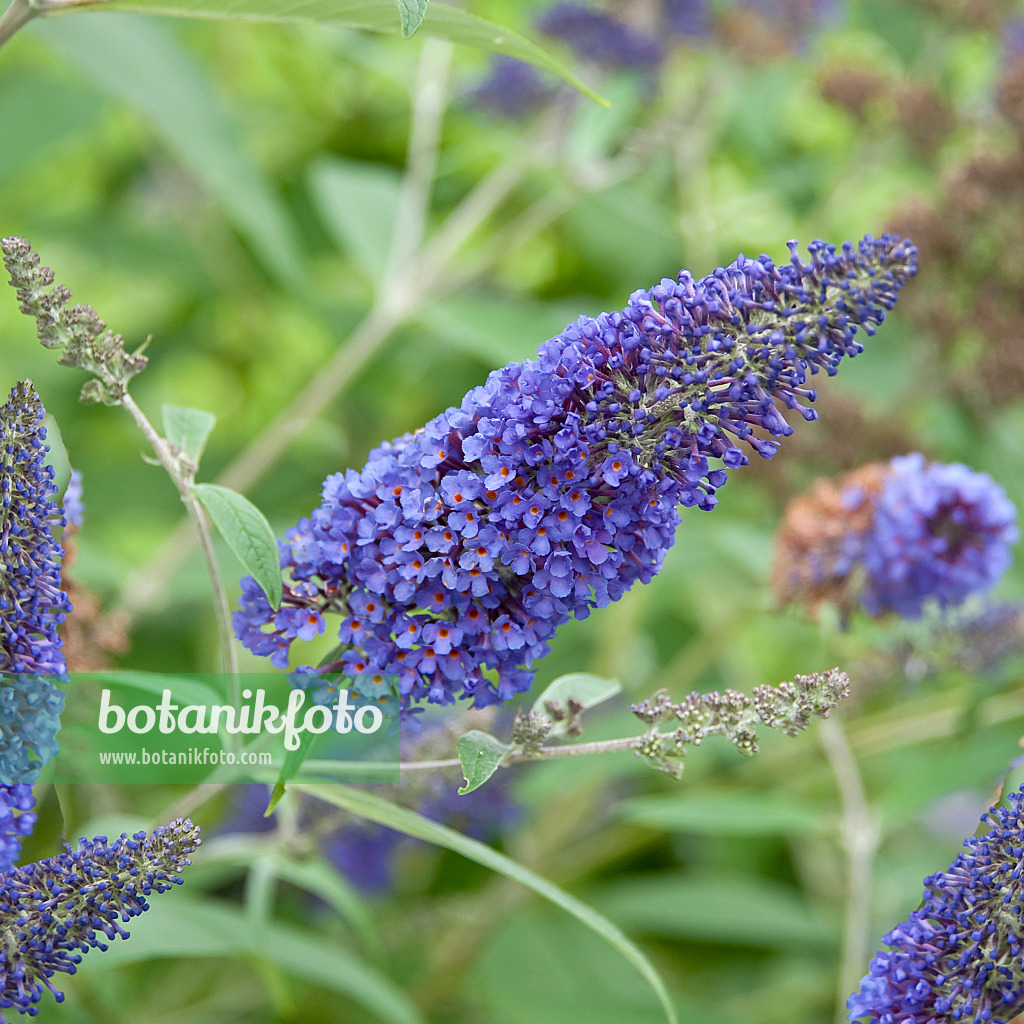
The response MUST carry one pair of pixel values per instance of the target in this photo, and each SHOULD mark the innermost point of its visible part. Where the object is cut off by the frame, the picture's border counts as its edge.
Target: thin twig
(220, 599)
(860, 841)
(17, 16)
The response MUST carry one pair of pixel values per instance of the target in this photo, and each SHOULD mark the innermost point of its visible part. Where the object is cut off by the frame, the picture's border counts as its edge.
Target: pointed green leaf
(374, 808)
(581, 686)
(441, 20)
(248, 534)
(481, 755)
(188, 429)
(412, 12)
(289, 769)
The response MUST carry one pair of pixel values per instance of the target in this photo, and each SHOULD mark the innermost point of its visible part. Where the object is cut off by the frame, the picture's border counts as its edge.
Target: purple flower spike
(32, 604)
(554, 487)
(55, 910)
(960, 957)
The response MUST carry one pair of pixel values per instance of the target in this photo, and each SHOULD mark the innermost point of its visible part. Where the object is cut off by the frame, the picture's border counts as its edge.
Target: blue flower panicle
(57, 909)
(894, 537)
(32, 604)
(940, 532)
(16, 821)
(455, 553)
(599, 37)
(961, 955)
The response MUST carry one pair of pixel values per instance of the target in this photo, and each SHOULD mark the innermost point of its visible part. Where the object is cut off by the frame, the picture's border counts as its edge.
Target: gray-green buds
(76, 332)
(787, 707)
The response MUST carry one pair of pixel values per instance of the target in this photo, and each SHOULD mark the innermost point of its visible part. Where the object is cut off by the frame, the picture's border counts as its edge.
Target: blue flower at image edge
(961, 956)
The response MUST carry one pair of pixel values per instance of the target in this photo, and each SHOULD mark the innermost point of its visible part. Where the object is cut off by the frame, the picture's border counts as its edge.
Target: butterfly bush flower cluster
(55, 910)
(32, 606)
(896, 536)
(961, 956)
(452, 557)
(597, 36)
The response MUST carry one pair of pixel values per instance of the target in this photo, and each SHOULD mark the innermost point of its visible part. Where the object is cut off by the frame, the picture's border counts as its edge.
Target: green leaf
(582, 686)
(724, 814)
(290, 768)
(412, 12)
(140, 63)
(707, 907)
(481, 755)
(248, 534)
(441, 20)
(188, 429)
(57, 456)
(357, 201)
(373, 808)
(184, 927)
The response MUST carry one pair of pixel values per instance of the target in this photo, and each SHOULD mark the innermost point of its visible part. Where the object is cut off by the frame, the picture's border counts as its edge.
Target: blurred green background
(233, 190)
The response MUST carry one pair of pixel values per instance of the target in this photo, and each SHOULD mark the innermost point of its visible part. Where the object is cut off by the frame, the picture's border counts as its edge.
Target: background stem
(860, 841)
(19, 14)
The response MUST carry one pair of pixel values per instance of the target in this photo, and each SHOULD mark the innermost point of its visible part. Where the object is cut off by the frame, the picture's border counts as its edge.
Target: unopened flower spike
(55, 910)
(788, 707)
(76, 332)
(32, 605)
(455, 553)
(960, 957)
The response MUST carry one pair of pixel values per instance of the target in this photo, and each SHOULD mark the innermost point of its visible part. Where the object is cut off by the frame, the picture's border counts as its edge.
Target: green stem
(860, 841)
(220, 599)
(540, 754)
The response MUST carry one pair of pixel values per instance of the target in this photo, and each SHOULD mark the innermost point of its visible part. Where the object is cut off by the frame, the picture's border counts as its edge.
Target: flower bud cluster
(55, 910)
(76, 332)
(457, 551)
(787, 707)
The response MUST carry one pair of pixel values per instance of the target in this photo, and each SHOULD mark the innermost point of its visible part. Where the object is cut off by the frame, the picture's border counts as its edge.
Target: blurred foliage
(246, 194)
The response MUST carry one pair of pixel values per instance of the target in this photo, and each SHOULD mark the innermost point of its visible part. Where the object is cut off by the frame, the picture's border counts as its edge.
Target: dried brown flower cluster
(810, 565)
(971, 239)
(89, 635)
(917, 109)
